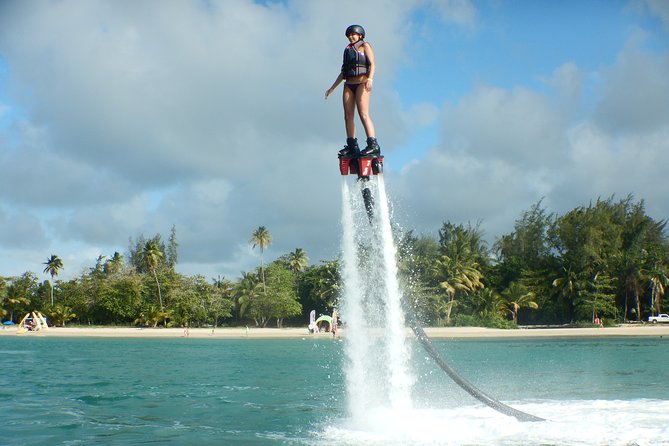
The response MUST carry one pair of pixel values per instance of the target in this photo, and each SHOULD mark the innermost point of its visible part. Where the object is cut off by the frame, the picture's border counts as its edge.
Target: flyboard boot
(351, 149)
(364, 164)
(370, 160)
(372, 149)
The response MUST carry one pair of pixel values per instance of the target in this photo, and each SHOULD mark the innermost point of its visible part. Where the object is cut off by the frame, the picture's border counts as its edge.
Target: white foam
(379, 376)
(624, 423)
(377, 370)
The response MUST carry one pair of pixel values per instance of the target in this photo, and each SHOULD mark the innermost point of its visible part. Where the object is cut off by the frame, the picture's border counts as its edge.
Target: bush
(465, 320)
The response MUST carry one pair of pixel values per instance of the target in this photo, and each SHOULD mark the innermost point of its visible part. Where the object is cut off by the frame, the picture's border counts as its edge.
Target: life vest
(355, 63)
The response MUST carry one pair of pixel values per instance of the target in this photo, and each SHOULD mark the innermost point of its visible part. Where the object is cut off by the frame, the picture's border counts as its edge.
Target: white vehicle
(659, 318)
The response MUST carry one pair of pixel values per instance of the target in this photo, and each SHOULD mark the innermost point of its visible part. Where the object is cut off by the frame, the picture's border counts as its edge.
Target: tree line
(608, 260)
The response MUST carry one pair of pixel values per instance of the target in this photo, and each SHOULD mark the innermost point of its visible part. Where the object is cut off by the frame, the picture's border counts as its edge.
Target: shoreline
(644, 330)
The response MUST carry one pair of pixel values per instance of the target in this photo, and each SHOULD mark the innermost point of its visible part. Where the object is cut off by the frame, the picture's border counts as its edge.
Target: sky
(120, 119)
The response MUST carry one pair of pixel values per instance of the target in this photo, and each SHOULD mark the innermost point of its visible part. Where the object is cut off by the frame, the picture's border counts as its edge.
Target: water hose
(459, 380)
(427, 344)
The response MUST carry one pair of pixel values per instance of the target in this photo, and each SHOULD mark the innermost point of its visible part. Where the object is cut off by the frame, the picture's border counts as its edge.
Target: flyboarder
(358, 69)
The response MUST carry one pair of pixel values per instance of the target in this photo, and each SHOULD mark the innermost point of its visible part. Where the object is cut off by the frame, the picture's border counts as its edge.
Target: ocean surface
(87, 391)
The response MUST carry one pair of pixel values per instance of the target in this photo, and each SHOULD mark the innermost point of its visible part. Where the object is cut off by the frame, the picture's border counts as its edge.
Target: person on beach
(358, 69)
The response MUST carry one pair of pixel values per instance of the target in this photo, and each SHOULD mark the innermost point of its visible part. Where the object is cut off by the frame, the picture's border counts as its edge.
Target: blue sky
(121, 119)
(518, 43)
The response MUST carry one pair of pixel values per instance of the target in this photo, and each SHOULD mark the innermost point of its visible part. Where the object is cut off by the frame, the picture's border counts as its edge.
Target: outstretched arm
(334, 85)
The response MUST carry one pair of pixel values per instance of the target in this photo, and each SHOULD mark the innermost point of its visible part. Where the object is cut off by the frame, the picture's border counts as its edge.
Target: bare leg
(349, 100)
(362, 98)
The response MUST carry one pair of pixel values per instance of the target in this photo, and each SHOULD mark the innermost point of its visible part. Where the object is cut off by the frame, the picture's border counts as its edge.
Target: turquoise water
(81, 391)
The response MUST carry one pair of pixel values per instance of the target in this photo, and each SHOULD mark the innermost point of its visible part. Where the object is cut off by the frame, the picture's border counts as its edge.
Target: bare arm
(334, 85)
(369, 53)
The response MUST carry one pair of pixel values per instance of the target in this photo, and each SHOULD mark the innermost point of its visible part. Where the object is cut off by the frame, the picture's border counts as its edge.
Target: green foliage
(261, 238)
(137, 253)
(151, 316)
(466, 320)
(319, 287)
(457, 272)
(527, 247)
(279, 299)
(597, 298)
(416, 255)
(246, 292)
(20, 292)
(120, 300)
(53, 265)
(296, 261)
(153, 257)
(3, 297)
(516, 296)
(216, 300)
(78, 295)
(606, 259)
(172, 254)
(196, 302)
(59, 314)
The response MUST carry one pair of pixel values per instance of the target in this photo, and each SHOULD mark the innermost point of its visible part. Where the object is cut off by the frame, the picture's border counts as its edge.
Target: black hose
(439, 359)
(459, 380)
(368, 199)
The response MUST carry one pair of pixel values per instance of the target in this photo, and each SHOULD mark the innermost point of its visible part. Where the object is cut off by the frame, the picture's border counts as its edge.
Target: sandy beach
(299, 333)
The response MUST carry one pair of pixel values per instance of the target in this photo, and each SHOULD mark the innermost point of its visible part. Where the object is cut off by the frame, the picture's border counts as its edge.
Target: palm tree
(246, 291)
(329, 283)
(98, 264)
(442, 309)
(457, 275)
(151, 315)
(152, 256)
(61, 314)
(518, 297)
(489, 304)
(262, 238)
(215, 303)
(568, 288)
(3, 295)
(658, 279)
(298, 260)
(53, 265)
(114, 264)
(633, 284)
(14, 301)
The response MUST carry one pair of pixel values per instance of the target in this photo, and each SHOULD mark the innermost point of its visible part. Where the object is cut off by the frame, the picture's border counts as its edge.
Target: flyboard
(365, 167)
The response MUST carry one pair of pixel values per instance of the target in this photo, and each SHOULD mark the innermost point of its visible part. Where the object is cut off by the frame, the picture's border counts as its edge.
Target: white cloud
(520, 126)
(462, 12)
(660, 8)
(603, 164)
(210, 116)
(567, 83)
(216, 107)
(502, 150)
(20, 229)
(635, 92)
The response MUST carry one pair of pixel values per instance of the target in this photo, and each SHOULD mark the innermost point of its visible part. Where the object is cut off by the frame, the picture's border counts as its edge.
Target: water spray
(381, 346)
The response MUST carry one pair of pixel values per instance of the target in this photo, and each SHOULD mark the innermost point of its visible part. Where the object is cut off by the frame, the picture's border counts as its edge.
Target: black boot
(372, 148)
(351, 149)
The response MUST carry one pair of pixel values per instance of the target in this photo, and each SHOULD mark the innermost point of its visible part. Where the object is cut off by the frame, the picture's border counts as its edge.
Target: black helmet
(355, 29)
